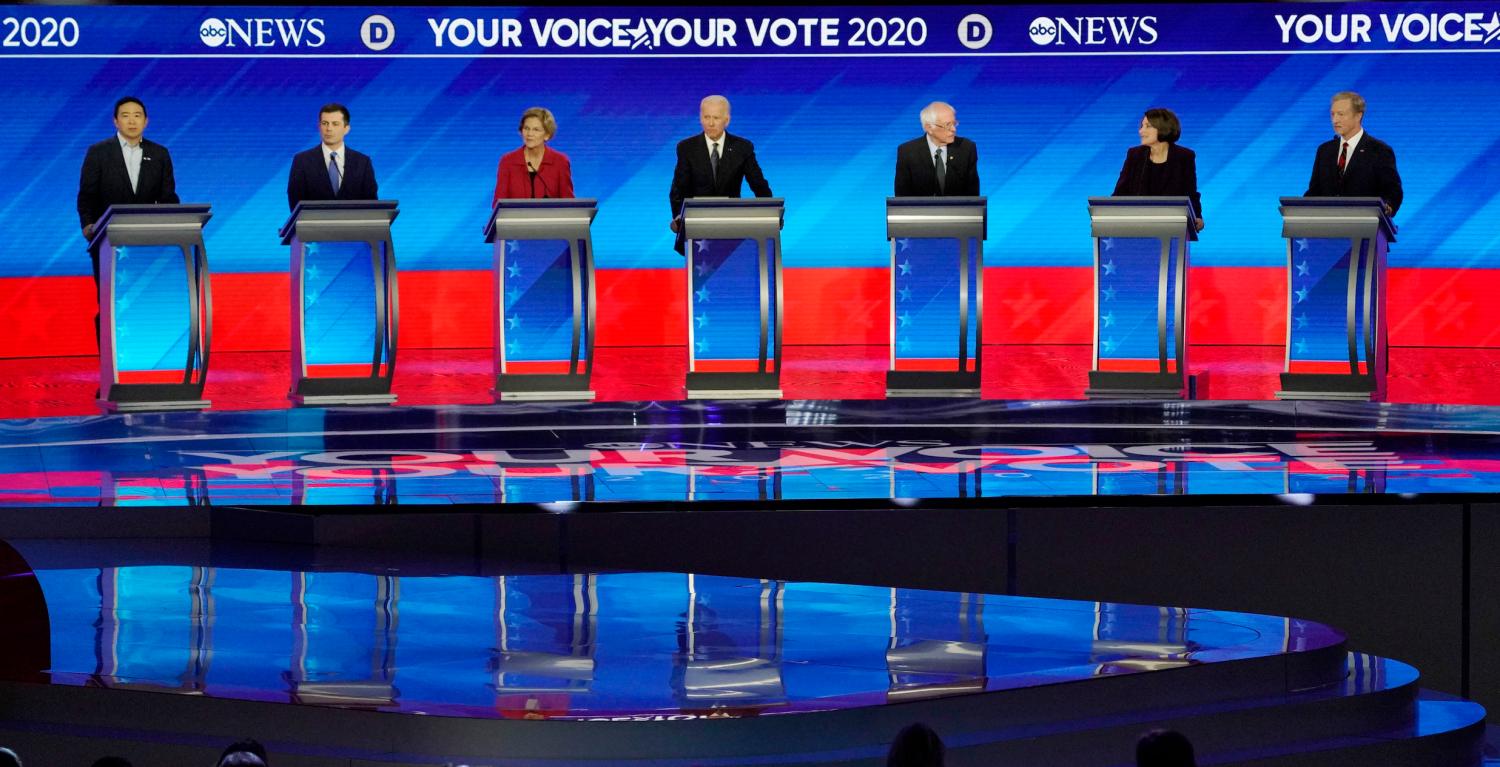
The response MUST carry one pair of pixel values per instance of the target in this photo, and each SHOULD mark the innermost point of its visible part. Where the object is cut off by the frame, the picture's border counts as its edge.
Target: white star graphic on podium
(513, 270)
(905, 267)
(702, 295)
(1301, 295)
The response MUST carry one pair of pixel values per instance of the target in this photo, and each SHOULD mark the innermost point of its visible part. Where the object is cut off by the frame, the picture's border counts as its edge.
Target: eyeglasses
(945, 126)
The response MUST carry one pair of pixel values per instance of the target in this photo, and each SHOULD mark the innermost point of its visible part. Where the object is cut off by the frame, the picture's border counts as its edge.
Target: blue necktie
(333, 171)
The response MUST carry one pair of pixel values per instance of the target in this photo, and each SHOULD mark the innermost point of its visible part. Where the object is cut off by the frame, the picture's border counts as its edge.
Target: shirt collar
(710, 142)
(327, 150)
(933, 146)
(1353, 140)
(125, 144)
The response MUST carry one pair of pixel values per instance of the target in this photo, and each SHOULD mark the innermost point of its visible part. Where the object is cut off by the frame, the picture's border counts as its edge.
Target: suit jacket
(1371, 172)
(694, 177)
(916, 176)
(104, 180)
(554, 177)
(1179, 176)
(309, 178)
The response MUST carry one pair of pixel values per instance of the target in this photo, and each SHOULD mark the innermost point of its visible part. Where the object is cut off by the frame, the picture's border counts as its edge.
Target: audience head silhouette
(1164, 748)
(244, 753)
(917, 745)
(8, 758)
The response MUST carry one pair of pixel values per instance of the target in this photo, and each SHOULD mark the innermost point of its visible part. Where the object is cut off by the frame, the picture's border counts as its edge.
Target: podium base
(114, 406)
(931, 383)
(534, 387)
(733, 386)
(319, 400)
(1329, 386)
(1107, 384)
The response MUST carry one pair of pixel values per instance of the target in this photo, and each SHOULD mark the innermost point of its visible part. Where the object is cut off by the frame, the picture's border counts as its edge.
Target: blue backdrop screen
(1051, 94)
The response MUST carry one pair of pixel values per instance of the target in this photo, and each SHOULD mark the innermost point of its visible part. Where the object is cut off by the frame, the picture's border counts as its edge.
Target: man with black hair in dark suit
(124, 169)
(940, 163)
(713, 163)
(1354, 163)
(331, 171)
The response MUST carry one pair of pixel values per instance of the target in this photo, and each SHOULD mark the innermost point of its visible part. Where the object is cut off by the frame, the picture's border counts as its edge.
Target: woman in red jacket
(534, 170)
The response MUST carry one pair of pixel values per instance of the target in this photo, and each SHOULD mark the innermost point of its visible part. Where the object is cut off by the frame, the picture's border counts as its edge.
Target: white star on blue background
(702, 295)
(904, 294)
(1109, 267)
(513, 322)
(702, 320)
(1300, 347)
(905, 266)
(1302, 321)
(1109, 294)
(1301, 245)
(514, 270)
(1302, 269)
(1301, 294)
(903, 320)
(1109, 319)
(1108, 344)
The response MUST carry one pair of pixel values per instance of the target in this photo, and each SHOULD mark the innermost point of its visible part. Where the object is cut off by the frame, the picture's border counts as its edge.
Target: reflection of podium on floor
(729, 646)
(155, 307)
(1336, 336)
(734, 294)
(345, 305)
(938, 645)
(937, 295)
(544, 298)
(1140, 297)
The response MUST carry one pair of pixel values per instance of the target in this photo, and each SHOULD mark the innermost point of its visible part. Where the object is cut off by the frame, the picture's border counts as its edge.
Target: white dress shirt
(1352, 141)
(327, 151)
(132, 154)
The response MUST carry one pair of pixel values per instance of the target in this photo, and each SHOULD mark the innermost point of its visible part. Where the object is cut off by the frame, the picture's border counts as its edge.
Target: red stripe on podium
(939, 365)
(1324, 366)
(541, 366)
(732, 366)
(1136, 366)
(149, 376)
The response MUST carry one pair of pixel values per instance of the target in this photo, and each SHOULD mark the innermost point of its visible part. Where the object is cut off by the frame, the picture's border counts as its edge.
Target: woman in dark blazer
(534, 170)
(1159, 167)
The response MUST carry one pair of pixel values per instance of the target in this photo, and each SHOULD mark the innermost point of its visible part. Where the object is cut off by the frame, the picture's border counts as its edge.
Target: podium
(1335, 260)
(1140, 297)
(937, 295)
(155, 307)
(544, 298)
(733, 249)
(344, 301)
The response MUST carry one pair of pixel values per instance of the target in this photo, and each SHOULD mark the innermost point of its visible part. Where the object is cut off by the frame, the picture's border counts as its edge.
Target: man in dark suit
(1354, 163)
(124, 169)
(941, 163)
(713, 163)
(331, 171)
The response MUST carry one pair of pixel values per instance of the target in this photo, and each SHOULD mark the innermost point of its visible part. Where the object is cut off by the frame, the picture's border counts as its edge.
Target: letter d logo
(974, 31)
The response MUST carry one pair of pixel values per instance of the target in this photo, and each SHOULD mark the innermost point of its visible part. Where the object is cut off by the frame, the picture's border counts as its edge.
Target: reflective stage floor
(820, 452)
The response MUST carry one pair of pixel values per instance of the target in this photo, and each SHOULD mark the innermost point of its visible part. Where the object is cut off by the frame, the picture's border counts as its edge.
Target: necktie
(1343, 157)
(333, 171)
(939, 168)
(713, 161)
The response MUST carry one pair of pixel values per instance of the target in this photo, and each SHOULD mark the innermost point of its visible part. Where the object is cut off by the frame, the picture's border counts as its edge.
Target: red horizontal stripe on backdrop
(349, 370)
(53, 316)
(940, 365)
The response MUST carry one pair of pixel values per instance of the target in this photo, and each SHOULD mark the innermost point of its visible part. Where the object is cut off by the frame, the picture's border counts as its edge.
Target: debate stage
(413, 585)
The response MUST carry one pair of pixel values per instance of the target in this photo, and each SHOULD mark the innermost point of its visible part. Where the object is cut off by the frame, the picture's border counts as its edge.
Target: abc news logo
(975, 30)
(262, 33)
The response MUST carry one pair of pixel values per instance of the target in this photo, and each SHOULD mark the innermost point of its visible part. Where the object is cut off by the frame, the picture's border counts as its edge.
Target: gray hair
(929, 112)
(714, 99)
(1356, 101)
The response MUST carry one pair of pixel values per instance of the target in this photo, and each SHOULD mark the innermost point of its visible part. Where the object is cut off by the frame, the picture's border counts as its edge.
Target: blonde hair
(543, 115)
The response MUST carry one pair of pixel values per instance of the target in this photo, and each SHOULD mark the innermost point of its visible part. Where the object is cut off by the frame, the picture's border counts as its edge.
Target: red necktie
(1343, 156)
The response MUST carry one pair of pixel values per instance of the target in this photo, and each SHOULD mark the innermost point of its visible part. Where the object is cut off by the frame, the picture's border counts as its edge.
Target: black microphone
(532, 169)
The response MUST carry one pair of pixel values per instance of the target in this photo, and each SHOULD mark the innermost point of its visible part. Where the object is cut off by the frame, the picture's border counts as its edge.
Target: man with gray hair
(940, 163)
(1354, 163)
(713, 163)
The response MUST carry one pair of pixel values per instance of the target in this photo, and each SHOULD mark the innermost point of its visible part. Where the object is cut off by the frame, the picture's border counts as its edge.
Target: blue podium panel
(933, 304)
(339, 303)
(1319, 298)
(729, 300)
(152, 308)
(538, 302)
(1133, 293)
